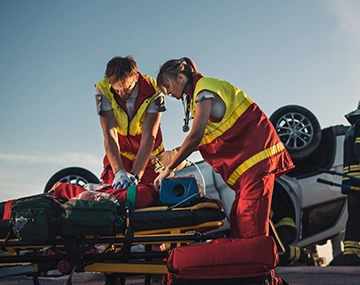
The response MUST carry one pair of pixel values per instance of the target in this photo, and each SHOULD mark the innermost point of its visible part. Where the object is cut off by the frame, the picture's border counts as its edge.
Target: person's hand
(121, 179)
(168, 156)
(164, 173)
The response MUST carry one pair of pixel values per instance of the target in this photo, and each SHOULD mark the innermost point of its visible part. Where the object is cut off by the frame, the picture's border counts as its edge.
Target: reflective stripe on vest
(131, 156)
(130, 134)
(227, 124)
(266, 153)
(123, 127)
(237, 104)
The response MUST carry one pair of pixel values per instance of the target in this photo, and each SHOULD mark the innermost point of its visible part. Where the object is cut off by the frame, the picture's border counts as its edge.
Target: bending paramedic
(234, 136)
(129, 105)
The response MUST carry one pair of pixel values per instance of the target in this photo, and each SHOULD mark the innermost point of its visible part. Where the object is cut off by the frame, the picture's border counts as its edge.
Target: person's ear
(181, 78)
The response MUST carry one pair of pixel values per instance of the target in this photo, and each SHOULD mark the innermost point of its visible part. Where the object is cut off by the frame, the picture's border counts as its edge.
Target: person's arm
(111, 143)
(149, 133)
(191, 142)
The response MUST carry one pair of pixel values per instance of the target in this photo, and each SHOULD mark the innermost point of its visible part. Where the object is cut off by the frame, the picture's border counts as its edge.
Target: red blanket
(146, 195)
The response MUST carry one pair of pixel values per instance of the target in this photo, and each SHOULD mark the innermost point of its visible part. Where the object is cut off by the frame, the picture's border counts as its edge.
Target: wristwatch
(136, 176)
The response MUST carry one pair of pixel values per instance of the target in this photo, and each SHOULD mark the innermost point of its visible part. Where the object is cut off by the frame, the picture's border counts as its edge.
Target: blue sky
(279, 52)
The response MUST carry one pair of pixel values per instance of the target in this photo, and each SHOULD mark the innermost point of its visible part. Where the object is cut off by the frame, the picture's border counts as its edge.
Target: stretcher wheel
(64, 267)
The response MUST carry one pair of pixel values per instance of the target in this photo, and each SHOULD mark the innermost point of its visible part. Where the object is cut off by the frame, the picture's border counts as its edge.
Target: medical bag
(225, 261)
(88, 217)
(34, 217)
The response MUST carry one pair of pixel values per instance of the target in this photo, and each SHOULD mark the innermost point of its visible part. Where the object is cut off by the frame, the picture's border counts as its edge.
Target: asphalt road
(331, 275)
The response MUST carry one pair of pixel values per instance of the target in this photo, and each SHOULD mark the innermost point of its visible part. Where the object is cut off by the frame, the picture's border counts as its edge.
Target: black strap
(125, 250)
(72, 249)
(10, 231)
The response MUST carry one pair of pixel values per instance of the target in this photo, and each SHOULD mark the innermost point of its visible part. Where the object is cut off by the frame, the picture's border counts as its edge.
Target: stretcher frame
(113, 259)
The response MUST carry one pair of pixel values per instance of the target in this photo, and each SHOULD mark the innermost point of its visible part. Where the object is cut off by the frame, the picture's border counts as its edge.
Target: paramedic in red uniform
(129, 105)
(234, 136)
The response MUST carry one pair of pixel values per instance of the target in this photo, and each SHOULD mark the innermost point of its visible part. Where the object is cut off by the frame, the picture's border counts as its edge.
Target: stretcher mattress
(159, 218)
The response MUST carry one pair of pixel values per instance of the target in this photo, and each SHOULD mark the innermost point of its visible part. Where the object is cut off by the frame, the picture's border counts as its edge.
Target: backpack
(34, 217)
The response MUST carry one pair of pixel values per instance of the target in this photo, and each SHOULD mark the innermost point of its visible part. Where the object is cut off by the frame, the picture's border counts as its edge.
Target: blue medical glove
(121, 179)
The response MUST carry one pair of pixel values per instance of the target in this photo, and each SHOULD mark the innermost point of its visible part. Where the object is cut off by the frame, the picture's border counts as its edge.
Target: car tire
(298, 129)
(73, 175)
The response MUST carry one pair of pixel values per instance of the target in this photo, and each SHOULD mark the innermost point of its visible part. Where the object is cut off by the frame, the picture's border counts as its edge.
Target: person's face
(175, 88)
(124, 87)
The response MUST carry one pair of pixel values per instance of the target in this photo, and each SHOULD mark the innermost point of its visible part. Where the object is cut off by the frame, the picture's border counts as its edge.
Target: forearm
(143, 156)
(112, 150)
(111, 143)
(189, 145)
(149, 134)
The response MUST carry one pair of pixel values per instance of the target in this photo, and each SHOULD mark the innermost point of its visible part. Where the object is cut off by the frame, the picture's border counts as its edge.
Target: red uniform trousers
(249, 215)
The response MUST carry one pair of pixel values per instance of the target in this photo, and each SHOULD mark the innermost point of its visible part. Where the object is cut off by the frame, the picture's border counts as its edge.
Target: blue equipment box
(178, 190)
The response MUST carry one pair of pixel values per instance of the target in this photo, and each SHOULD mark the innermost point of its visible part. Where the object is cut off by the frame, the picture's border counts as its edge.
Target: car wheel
(73, 175)
(298, 129)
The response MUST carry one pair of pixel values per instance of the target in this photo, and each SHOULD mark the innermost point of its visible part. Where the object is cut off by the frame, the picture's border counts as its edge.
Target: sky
(279, 52)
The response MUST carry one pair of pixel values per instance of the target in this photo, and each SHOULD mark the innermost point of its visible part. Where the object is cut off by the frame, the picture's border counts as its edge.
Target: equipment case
(225, 261)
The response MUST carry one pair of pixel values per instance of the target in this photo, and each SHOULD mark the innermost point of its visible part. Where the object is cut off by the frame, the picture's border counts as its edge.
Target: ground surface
(337, 275)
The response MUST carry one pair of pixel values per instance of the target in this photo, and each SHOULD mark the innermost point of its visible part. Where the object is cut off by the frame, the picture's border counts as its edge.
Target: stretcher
(165, 225)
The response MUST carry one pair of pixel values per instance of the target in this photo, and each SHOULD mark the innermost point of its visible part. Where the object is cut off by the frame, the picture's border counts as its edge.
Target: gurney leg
(114, 278)
(35, 278)
(122, 278)
(148, 247)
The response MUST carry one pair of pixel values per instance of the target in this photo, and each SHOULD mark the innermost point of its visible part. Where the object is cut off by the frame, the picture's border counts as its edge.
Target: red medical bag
(225, 261)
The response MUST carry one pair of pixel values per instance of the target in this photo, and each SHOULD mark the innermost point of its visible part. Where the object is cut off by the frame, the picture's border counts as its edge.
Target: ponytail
(170, 69)
(189, 64)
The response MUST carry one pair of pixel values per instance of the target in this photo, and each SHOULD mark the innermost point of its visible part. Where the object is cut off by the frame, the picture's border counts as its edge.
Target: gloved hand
(121, 179)
(164, 173)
